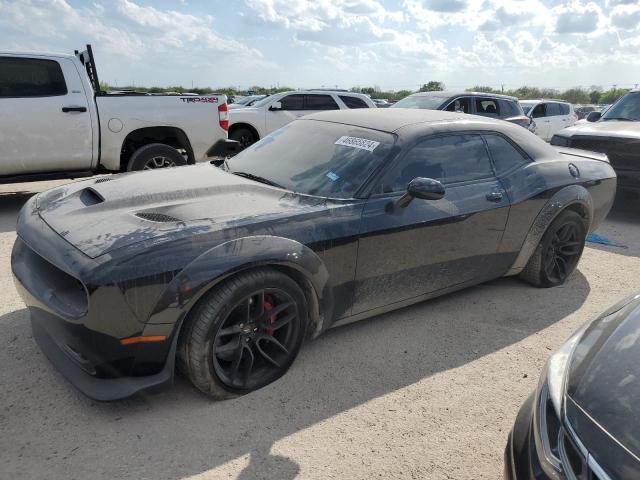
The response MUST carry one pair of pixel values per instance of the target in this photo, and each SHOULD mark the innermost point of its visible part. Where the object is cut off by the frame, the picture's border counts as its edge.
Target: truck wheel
(244, 136)
(155, 155)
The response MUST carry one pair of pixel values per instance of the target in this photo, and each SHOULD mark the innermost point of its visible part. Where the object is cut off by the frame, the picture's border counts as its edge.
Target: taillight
(223, 114)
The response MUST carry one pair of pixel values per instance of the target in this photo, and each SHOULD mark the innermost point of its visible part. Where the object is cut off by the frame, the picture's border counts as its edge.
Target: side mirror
(276, 106)
(422, 188)
(594, 116)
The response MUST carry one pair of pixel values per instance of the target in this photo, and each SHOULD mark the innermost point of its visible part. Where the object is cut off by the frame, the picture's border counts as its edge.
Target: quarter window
(505, 156)
(450, 159)
(353, 102)
(29, 77)
(292, 102)
(321, 102)
(487, 107)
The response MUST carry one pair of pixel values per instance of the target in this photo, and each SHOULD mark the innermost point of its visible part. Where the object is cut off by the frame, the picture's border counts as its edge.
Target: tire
(154, 155)
(244, 136)
(215, 332)
(558, 252)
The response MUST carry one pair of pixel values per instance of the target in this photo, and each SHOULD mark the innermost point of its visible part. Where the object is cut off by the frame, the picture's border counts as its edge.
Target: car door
(45, 122)
(555, 117)
(539, 115)
(292, 107)
(427, 246)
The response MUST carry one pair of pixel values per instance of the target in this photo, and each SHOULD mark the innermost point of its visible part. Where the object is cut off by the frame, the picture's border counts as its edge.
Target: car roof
(38, 54)
(390, 120)
(448, 94)
(540, 100)
(324, 92)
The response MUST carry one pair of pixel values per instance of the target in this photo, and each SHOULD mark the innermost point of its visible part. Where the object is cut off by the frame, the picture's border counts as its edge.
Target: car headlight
(549, 404)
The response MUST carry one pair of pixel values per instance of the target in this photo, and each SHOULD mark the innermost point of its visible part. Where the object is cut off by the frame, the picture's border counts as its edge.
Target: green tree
(432, 86)
(610, 96)
(576, 95)
(484, 89)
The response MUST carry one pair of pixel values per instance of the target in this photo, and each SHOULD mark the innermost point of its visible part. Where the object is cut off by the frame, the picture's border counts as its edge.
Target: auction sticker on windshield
(356, 142)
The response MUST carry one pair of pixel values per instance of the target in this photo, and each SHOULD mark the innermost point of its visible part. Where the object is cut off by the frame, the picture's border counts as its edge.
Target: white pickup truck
(55, 122)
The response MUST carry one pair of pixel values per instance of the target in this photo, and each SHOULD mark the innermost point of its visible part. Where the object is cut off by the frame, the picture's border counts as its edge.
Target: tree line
(577, 95)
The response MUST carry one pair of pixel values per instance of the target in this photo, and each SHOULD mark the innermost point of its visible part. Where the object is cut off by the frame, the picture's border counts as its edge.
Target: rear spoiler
(576, 152)
(86, 58)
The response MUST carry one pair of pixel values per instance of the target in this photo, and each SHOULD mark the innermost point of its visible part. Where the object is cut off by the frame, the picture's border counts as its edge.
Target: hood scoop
(157, 217)
(90, 197)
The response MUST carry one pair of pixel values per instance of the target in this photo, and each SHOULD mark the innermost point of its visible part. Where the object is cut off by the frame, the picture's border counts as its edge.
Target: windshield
(315, 158)
(526, 107)
(262, 102)
(627, 108)
(427, 102)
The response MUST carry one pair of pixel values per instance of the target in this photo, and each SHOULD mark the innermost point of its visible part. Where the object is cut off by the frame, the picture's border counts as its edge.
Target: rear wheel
(245, 334)
(558, 253)
(244, 136)
(155, 155)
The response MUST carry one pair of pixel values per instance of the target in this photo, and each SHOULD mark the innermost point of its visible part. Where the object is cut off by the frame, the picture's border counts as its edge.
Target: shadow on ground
(50, 430)
(621, 227)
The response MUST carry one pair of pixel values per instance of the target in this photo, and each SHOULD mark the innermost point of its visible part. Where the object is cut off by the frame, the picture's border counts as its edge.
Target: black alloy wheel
(563, 252)
(256, 341)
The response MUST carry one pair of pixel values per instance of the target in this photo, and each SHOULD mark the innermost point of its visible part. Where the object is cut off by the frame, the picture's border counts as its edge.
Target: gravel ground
(430, 391)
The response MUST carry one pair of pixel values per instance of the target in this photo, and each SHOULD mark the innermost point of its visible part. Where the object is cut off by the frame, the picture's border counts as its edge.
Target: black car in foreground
(616, 133)
(489, 105)
(583, 421)
(336, 217)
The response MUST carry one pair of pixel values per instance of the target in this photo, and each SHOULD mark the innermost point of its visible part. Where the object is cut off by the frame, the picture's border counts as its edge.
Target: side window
(353, 102)
(30, 77)
(292, 102)
(321, 102)
(539, 111)
(505, 156)
(553, 109)
(450, 159)
(509, 108)
(487, 107)
(564, 108)
(461, 105)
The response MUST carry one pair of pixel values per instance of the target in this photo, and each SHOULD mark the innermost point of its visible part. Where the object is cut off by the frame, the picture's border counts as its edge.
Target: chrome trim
(597, 470)
(555, 462)
(566, 464)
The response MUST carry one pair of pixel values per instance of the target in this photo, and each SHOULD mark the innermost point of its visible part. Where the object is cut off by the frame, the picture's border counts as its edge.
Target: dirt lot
(427, 392)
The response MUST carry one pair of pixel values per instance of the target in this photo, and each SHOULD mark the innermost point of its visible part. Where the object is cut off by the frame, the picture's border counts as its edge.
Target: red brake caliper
(268, 306)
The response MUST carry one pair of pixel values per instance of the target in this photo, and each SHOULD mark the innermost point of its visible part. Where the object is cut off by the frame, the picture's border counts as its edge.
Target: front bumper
(78, 324)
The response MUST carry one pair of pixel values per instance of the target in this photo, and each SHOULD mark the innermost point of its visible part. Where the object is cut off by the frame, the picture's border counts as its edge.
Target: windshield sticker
(356, 142)
(333, 176)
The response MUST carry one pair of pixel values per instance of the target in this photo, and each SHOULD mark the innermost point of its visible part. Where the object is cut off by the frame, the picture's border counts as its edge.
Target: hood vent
(90, 197)
(103, 179)
(157, 217)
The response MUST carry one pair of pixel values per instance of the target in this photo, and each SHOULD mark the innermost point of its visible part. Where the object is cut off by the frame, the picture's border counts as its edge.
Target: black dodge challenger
(335, 217)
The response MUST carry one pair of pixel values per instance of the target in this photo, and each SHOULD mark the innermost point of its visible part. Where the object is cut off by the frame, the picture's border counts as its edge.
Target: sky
(392, 44)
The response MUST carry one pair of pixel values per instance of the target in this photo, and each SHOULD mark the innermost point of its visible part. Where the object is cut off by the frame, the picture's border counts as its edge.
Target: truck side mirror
(276, 106)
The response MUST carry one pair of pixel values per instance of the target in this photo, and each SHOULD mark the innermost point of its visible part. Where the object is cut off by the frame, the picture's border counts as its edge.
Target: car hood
(604, 378)
(101, 215)
(609, 128)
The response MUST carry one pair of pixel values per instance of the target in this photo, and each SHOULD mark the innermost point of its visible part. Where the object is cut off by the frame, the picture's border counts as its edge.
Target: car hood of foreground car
(100, 215)
(604, 128)
(603, 386)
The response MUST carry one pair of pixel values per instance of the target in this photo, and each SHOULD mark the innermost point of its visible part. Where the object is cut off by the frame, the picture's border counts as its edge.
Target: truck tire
(155, 155)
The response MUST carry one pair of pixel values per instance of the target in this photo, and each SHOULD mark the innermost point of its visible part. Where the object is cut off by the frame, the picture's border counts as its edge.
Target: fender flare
(234, 256)
(561, 200)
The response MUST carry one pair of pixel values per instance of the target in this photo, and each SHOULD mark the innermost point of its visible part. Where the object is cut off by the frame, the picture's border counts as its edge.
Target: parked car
(550, 116)
(336, 217)
(246, 101)
(248, 125)
(57, 123)
(381, 102)
(583, 110)
(483, 104)
(582, 421)
(615, 132)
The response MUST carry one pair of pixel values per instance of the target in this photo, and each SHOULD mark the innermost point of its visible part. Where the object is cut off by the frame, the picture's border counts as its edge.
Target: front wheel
(244, 137)
(558, 253)
(244, 334)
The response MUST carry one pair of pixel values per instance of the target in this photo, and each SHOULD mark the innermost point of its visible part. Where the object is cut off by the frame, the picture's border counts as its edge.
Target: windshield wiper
(624, 119)
(258, 178)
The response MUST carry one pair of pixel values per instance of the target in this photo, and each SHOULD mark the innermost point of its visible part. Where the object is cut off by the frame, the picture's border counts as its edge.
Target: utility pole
(502, 87)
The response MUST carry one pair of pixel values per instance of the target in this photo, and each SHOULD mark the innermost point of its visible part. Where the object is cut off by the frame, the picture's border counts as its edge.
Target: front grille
(623, 153)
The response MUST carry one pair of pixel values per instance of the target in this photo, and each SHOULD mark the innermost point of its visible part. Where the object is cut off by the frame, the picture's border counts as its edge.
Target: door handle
(74, 109)
(494, 196)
